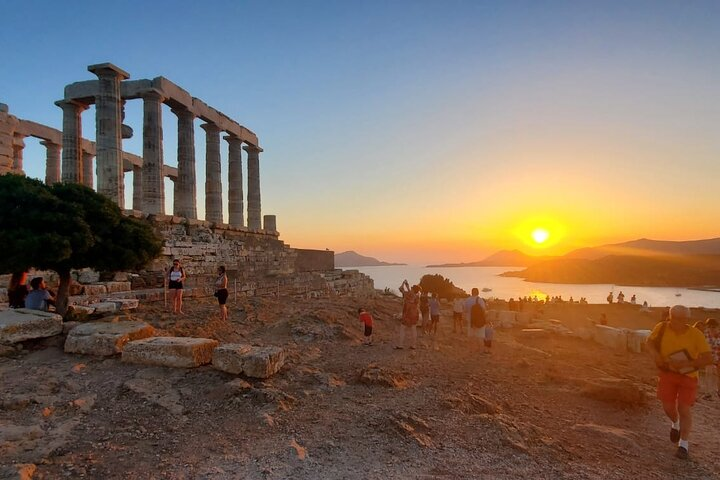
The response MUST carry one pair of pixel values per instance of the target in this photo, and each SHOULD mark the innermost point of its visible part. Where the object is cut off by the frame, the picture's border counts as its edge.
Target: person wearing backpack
(679, 351)
(475, 309)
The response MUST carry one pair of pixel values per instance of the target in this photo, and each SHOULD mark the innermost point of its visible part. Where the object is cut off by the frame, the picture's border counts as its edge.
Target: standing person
(434, 313)
(40, 298)
(425, 312)
(610, 297)
(458, 308)
(712, 335)
(176, 277)
(621, 297)
(367, 321)
(679, 351)
(475, 309)
(489, 333)
(17, 290)
(410, 314)
(221, 292)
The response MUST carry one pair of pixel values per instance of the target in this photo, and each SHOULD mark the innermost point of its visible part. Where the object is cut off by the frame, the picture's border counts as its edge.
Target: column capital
(233, 139)
(152, 95)
(72, 104)
(252, 149)
(108, 70)
(182, 112)
(210, 128)
(49, 144)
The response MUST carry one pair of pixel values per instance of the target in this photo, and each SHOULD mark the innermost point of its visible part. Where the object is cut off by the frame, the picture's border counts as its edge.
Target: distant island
(354, 259)
(643, 262)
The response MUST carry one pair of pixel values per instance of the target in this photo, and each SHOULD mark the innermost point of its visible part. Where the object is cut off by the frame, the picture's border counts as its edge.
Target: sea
(512, 287)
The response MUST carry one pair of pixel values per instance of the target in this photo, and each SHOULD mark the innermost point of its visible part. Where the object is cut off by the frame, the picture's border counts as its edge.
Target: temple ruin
(248, 244)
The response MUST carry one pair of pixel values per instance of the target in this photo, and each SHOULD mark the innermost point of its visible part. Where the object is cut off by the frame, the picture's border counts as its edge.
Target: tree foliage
(440, 285)
(68, 226)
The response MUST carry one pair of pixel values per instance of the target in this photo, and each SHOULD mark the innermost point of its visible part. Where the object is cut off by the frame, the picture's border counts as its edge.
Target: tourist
(621, 297)
(434, 313)
(367, 321)
(425, 312)
(40, 298)
(176, 277)
(475, 317)
(633, 299)
(489, 331)
(410, 315)
(679, 351)
(458, 314)
(610, 297)
(221, 292)
(17, 290)
(712, 335)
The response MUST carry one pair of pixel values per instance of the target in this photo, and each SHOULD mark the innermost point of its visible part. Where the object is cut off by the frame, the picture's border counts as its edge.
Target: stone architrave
(71, 171)
(18, 325)
(213, 182)
(18, 147)
(137, 200)
(52, 162)
(236, 206)
(253, 199)
(185, 202)
(87, 167)
(179, 352)
(153, 194)
(108, 137)
(105, 338)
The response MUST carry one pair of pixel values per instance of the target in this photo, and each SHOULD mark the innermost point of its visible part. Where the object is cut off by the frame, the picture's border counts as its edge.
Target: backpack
(477, 315)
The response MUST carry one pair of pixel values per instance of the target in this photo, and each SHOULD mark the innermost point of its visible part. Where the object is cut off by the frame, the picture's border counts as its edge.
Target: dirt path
(534, 408)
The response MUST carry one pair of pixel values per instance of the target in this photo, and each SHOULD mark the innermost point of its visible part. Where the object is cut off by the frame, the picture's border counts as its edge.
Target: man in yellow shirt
(679, 351)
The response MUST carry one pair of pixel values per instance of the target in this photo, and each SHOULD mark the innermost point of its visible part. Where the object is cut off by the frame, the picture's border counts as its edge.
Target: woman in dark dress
(17, 290)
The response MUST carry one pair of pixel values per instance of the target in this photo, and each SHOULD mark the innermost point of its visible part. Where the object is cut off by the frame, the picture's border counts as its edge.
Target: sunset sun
(540, 235)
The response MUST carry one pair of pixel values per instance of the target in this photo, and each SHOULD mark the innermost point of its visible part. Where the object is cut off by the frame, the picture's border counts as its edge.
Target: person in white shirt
(458, 310)
(467, 307)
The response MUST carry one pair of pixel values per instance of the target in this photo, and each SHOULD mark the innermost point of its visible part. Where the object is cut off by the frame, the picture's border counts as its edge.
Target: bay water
(512, 287)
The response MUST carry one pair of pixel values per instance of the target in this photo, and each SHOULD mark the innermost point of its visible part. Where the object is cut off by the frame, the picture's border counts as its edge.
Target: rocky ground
(537, 407)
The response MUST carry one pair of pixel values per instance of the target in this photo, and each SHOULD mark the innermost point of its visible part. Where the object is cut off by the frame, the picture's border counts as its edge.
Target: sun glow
(540, 232)
(540, 235)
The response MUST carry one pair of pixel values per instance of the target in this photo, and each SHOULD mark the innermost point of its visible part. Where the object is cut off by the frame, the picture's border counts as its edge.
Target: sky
(418, 131)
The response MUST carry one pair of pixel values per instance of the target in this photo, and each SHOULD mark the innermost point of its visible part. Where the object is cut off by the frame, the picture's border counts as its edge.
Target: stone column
(270, 223)
(18, 147)
(153, 188)
(253, 200)
(72, 140)
(137, 188)
(8, 124)
(52, 162)
(108, 138)
(235, 182)
(87, 168)
(185, 202)
(213, 182)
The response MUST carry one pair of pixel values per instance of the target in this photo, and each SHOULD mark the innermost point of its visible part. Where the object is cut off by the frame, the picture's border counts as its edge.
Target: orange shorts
(674, 387)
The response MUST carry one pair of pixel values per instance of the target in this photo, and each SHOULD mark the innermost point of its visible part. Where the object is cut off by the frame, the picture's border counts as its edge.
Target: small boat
(486, 289)
(678, 294)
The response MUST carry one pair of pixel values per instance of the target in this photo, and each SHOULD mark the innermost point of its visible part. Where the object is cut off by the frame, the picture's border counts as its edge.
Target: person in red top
(367, 320)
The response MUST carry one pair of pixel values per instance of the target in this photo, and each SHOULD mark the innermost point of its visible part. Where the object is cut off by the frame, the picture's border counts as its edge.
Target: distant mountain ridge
(646, 246)
(354, 259)
(503, 258)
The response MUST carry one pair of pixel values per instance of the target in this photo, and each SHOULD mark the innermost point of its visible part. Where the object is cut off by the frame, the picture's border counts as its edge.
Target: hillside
(354, 259)
(657, 270)
(503, 258)
(645, 247)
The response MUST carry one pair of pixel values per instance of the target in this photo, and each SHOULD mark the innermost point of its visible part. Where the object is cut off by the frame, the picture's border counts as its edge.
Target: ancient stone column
(18, 147)
(87, 168)
(8, 124)
(269, 223)
(52, 162)
(213, 182)
(185, 202)
(137, 188)
(253, 199)
(72, 140)
(108, 124)
(235, 182)
(153, 188)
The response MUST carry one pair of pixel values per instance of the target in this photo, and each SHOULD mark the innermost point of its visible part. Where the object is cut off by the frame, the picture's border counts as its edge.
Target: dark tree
(440, 285)
(68, 226)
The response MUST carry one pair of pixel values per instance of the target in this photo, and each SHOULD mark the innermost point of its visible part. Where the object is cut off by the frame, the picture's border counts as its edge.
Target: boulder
(256, 362)
(81, 310)
(113, 287)
(105, 338)
(95, 290)
(636, 340)
(18, 325)
(615, 390)
(124, 303)
(180, 352)
(615, 338)
(88, 276)
(104, 307)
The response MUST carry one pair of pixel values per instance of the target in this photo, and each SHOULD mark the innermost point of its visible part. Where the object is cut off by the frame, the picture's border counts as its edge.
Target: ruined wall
(8, 123)
(314, 260)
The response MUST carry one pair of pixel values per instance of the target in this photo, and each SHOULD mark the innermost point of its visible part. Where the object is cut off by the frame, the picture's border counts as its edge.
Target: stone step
(179, 352)
(18, 325)
(252, 361)
(105, 338)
